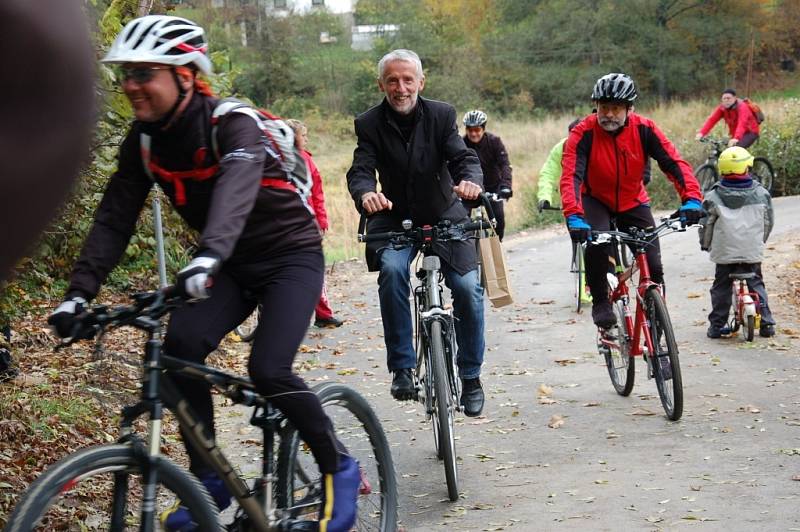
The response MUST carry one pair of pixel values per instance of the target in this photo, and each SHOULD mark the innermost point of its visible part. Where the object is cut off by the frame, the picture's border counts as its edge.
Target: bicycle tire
(665, 363)
(763, 171)
(706, 174)
(299, 477)
(578, 269)
(443, 410)
(619, 362)
(749, 331)
(247, 329)
(65, 479)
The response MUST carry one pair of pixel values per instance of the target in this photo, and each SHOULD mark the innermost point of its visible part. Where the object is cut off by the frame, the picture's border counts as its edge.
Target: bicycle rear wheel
(616, 350)
(706, 175)
(247, 329)
(100, 488)
(664, 358)
(749, 328)
(358, 428)
(443, 410)
(762, 170)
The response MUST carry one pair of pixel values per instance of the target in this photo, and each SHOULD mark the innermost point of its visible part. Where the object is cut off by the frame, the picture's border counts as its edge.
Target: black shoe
(767, 330)
(472, 397)
(403, 388)
(603, 315)
(328, 323)
(713, 332)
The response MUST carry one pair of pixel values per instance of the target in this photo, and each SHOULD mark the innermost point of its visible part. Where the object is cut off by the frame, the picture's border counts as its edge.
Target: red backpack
(755, 109)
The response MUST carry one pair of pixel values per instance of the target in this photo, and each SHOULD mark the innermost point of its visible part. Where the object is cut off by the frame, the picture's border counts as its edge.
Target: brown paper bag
(494, 273)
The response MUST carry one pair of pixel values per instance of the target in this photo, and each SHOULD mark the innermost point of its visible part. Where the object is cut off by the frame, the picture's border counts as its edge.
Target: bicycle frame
(742, 292)
(158, 392)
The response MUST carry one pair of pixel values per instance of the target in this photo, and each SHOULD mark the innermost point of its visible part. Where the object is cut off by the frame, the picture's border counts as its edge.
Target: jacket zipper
(616, 160)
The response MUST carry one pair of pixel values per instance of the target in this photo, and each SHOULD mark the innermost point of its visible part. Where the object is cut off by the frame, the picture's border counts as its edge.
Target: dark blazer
(417, 177)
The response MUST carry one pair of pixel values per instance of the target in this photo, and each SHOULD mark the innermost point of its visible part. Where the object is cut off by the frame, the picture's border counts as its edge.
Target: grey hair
(296, 125)
(400, 54)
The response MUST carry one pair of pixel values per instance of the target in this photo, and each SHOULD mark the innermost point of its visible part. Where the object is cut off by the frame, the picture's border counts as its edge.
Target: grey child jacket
(737, 224)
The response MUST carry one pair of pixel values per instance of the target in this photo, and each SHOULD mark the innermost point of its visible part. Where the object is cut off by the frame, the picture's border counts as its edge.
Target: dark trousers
(597, 257)
(722, 290)
(289, 288)
(747, 139)
(499, 213)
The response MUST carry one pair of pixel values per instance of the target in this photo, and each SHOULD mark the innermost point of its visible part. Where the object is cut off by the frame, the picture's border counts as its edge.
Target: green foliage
(780, 143)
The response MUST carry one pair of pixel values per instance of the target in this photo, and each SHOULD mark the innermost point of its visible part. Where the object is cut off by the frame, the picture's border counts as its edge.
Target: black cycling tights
(597, 257)
(288, 287)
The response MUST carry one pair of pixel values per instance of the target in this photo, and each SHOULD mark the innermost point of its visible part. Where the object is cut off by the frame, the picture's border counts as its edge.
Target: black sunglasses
(140, 75)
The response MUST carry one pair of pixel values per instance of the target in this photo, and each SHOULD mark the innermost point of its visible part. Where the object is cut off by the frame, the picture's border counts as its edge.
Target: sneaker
(340, 496)
(766, 330)
(603, 314)
(403, 388)
(178, 518)
(472, 397)
(718, 332)
(327, 323)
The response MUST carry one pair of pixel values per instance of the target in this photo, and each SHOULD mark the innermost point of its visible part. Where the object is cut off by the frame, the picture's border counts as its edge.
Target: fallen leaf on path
(547, 401)
(796, 477)
(545, 390)
(565, 361)
(693, 295)
(591, 403)
(556, 422)
(749, 409)
(642, 412)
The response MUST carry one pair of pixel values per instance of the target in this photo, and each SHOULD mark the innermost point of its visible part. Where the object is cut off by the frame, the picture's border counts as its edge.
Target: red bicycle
(647, 332)
(746, 307)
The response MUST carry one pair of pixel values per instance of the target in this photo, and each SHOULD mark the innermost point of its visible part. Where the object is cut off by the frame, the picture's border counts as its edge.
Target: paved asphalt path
(614, 463)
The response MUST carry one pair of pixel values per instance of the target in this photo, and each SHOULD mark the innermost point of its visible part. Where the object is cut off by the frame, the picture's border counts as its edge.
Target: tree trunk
(144, 7)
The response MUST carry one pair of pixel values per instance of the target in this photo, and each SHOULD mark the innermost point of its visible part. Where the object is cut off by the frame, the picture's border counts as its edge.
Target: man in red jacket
(604, 170)
(742, 124)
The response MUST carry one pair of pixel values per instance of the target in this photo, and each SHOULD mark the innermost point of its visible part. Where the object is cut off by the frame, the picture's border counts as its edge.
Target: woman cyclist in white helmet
(257, 240)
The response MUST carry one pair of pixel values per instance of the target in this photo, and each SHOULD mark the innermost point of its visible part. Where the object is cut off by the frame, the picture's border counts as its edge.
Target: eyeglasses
(140, 75)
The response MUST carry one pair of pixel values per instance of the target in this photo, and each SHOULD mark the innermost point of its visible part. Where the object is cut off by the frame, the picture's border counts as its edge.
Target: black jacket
(239, 221)
(414, 176)
(494, 162)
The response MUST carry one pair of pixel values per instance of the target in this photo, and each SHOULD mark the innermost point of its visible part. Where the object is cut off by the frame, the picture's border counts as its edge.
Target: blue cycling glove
(579, 230)
(691, 211)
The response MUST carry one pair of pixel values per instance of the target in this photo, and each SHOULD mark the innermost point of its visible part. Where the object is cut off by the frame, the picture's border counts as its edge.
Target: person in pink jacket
(742, 124)
(323, 314)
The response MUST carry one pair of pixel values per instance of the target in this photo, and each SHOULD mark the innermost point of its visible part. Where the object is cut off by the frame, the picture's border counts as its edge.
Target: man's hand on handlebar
(374, 202)
(467, 190)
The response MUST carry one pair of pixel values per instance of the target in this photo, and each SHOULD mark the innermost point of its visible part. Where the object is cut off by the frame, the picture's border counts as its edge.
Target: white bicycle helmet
(475, 118)
(614, 87)
(161, 39)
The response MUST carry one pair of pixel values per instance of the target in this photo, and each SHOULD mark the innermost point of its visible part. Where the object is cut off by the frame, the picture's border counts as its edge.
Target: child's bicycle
(746, 307)
(126, 485)
(707, 173)
(648, 331)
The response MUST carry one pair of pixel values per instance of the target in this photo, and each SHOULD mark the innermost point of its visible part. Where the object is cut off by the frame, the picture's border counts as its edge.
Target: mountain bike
(436, 373)
(647, 332)
(126, 485)
(707, 173)
(577, 267)
(746, 307)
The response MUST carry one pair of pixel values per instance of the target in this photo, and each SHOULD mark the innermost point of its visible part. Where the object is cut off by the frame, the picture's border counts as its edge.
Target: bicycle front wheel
(706, 175)
(358, 428)
(615, 346)
(100, 488)
(664, 358)
(749, 329)
(762, 170)
(443, 410)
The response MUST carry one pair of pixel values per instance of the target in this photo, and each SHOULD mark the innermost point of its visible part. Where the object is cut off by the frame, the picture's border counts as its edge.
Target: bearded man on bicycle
(604, 171)
(258, 241)
(414, 145)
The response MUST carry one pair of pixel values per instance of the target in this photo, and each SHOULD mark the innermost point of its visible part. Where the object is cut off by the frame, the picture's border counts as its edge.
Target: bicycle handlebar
(146, 311)
(441, 232)
(642, 237)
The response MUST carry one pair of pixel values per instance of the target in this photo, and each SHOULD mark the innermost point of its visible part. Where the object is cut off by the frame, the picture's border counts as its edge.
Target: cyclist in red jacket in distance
(742, 124)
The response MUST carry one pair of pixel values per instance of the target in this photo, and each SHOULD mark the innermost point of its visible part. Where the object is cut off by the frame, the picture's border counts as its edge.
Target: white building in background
(364, 35)
(303, 6)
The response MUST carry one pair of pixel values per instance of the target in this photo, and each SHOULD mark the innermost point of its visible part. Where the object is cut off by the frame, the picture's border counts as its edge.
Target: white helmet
(161, 39)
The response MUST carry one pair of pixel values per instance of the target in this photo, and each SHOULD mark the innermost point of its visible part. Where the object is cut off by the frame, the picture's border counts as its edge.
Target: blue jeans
(394, 288)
